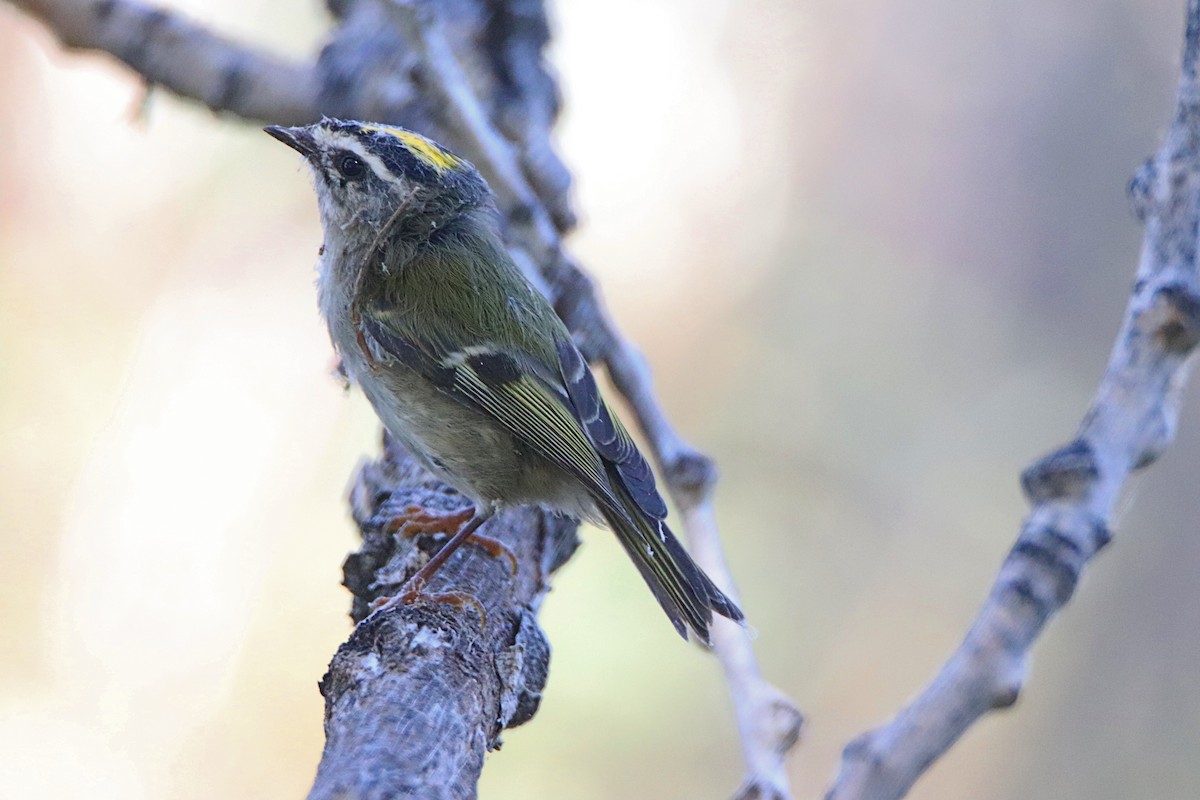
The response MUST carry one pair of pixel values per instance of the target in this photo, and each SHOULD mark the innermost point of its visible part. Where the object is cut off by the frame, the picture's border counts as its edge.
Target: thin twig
(768, 721)
(1074, 489)
(364, 269)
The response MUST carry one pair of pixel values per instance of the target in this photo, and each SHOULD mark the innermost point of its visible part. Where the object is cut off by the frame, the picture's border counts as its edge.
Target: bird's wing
(556, 409)
(511, 387)
(606, 432)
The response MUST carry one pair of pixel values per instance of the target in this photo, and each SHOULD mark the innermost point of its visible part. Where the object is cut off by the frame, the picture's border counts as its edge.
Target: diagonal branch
(1074, 489)
(169, 50)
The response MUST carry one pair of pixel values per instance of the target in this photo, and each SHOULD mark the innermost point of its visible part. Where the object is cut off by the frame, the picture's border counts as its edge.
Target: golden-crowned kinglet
(466, 363)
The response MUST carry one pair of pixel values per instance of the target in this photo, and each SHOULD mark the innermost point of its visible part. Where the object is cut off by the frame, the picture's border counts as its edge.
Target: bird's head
(364, 172)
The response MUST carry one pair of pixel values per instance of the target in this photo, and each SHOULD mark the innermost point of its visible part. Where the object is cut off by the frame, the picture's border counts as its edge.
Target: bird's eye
(351, 167)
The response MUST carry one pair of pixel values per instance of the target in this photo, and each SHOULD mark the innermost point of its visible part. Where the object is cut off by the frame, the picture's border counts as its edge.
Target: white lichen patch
(427, 638)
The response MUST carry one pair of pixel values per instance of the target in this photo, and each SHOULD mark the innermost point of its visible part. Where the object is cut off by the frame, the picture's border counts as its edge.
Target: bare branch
(1074, 489)
(768, 721)
(170, 51)
(427, 673)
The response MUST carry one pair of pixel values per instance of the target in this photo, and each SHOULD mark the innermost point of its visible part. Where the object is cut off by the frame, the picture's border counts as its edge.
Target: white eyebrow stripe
(346, 142)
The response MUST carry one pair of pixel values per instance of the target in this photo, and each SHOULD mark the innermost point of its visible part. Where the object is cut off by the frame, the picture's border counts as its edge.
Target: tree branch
(417, 695)
(169, 50)
(1074, 489)
(477, 83)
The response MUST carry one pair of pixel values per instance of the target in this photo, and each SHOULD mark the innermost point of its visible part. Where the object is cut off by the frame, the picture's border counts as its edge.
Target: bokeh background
(876, 252)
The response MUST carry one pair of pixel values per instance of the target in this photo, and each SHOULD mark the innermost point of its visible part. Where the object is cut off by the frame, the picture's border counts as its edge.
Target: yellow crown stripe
(420, 147)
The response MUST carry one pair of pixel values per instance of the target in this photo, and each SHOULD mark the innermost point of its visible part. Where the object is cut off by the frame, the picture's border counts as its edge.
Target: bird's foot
(415, 520)
(495, 548)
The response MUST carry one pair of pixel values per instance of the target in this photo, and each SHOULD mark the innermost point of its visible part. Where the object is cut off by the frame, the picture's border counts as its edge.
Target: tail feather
(686, 594)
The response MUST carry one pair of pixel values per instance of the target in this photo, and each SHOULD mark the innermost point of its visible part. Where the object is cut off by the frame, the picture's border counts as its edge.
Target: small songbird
(466, 364)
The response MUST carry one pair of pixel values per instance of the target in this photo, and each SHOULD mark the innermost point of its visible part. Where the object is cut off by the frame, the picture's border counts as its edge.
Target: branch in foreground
(1074, 489)
(430, 672)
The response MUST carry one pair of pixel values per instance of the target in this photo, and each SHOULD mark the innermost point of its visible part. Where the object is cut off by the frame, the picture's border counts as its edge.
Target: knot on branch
(523, 668)
(1173, 317)
(691, 476)
(1065, 474)
(1044, 565)
(864, 765)
(231, 86)
(1165, 190)
(1008, 691)
(787, 722)
(149, 24)
(1057, 557)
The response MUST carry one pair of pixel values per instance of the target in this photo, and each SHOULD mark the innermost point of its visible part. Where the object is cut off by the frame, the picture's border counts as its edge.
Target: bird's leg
(463, 525)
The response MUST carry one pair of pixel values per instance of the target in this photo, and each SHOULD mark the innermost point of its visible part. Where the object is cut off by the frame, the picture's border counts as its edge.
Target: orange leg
(415, 520)
(463, 525)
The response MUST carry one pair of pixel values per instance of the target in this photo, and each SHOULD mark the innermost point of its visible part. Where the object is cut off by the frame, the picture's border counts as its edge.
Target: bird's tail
(683, 590)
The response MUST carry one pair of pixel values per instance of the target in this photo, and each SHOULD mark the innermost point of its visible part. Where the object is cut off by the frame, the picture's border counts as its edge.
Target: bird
(466, 363)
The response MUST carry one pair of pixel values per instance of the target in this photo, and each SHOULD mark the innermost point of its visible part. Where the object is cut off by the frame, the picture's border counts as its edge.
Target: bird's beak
(299, 139)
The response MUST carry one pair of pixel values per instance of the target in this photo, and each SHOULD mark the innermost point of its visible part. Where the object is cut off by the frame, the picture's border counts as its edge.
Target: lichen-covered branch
(418, 695)
(1074, 489)
(475, 80)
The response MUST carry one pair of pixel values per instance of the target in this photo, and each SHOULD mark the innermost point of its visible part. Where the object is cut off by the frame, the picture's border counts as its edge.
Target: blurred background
(877, 253)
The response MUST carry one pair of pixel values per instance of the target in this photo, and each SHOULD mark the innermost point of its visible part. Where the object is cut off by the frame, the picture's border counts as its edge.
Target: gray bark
(418, 695)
